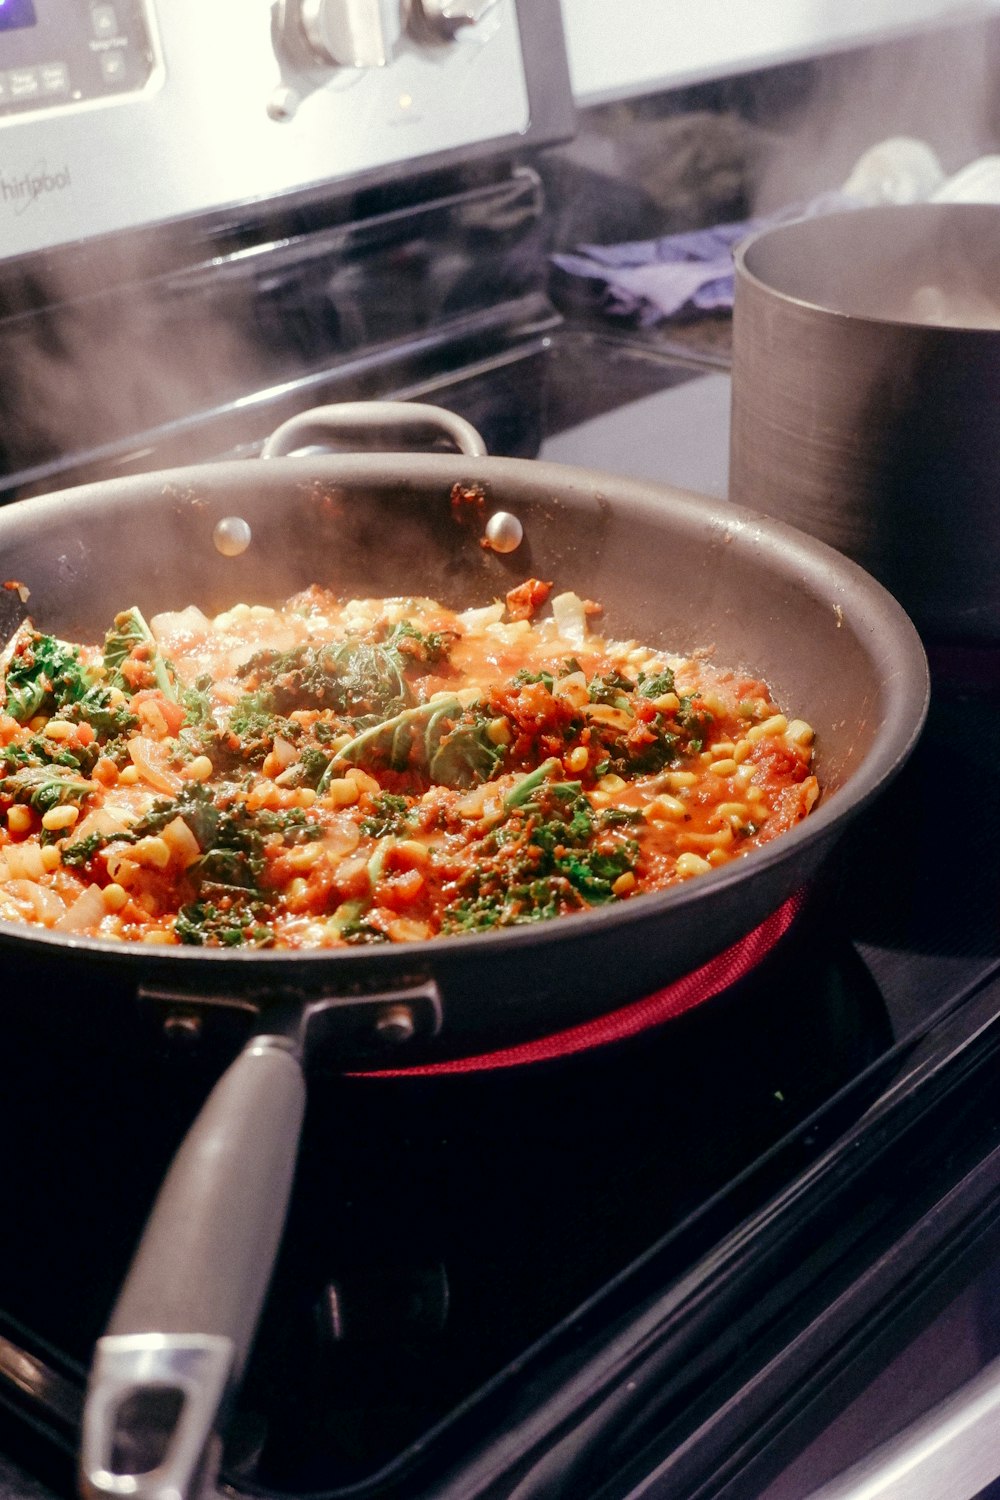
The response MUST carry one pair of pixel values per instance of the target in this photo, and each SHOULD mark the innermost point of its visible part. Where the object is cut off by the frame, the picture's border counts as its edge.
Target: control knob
(439, 20)
(351, 33)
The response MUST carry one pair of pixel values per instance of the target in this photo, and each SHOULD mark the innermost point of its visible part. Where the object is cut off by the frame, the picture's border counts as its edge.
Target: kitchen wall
(621, 48)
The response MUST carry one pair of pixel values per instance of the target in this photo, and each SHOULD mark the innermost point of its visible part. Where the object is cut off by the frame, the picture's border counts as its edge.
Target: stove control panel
(57, 53)
(120, 114)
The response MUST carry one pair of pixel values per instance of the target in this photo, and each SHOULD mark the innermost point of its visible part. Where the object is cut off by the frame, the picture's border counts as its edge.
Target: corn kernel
(736, 810)
(199, 769)
(59, 729)
(498, 732)
(343, 793)
(691, 864)
(776, 724)
(666, 703)
(723, 767)
(60, 817)
(611, 784)
(19, 818)
(625, 883)
(51, 857)
(305, 856)
(130, 775)
(114, 896)
(719, 838)
(577, 759)
(664, 808)
(800, 733)
(717, 857)
(679, 779)
(151, 853)
(363, 781)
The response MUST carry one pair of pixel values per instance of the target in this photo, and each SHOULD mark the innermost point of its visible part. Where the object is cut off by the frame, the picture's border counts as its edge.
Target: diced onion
(570, 617)
(180, 625)
(102, 820)
(478, 619)
(24, 861)
(46, 906)
(283, 751)
(184, 847)
(147, 757)
(87, 911)
(604, 713)
(573, 687)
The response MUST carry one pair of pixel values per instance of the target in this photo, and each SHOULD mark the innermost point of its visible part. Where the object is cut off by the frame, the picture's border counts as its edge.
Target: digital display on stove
(16, 14)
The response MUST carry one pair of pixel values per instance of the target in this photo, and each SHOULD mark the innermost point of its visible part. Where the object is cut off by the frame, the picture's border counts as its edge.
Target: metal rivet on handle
(504, 532)
(182, 1027)
(232, 536)
(396, 1023)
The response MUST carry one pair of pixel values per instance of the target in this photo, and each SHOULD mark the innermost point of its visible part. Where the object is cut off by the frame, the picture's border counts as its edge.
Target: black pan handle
(185, 1318)
(385, 426)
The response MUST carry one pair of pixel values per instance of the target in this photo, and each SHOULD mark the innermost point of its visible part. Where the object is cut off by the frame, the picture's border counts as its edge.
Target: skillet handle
(384, 426)
(185, 1319)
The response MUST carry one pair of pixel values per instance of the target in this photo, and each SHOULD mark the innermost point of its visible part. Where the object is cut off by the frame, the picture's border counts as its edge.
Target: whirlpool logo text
(18, 193)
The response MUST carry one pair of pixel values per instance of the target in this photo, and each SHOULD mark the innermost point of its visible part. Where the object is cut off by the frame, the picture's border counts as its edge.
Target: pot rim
(816, 306)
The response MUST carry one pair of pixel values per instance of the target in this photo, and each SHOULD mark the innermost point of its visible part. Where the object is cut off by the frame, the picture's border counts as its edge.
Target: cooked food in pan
(370, 771)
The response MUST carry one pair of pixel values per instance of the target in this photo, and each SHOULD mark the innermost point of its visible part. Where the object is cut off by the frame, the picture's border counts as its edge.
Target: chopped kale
(610, 688)
(552, 854)
(421, 647)
(351, 677)
(389, 815)
(656, 686)
(197, 701)
(79, 854)
(253, 726)
(464, 755)
(43, 675)
(45, 787)
(110, 721)
(130, 641)
(233, 921)
(524, 678)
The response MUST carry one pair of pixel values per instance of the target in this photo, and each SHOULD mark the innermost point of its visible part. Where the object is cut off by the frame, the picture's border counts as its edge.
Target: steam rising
(942, 88)
(107, 343)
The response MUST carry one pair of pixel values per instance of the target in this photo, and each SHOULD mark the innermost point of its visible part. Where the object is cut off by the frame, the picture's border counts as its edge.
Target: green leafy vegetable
(552, 854)
(130, 639)
(389, 814)
(233, 921)
(43, 675)
(45, 787)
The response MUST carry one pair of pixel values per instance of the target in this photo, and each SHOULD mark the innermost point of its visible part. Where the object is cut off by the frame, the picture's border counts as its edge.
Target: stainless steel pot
(866, 399)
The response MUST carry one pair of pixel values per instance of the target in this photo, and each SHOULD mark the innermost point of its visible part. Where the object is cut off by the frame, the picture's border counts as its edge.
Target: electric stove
(644, 1260)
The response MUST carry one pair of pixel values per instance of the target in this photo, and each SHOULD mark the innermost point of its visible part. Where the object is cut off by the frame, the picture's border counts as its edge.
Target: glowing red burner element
(712, 978)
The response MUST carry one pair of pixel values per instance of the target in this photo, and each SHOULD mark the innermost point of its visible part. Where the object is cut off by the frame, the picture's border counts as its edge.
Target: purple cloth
(657, 279)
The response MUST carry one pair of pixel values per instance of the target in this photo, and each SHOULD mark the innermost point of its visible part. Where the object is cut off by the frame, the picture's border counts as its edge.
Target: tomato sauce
(333, 773)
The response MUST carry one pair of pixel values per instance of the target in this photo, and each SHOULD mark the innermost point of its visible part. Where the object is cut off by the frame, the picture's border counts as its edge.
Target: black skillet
(670, 568)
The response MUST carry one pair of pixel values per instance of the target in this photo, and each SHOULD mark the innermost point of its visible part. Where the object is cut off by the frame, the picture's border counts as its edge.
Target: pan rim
(876, 615)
